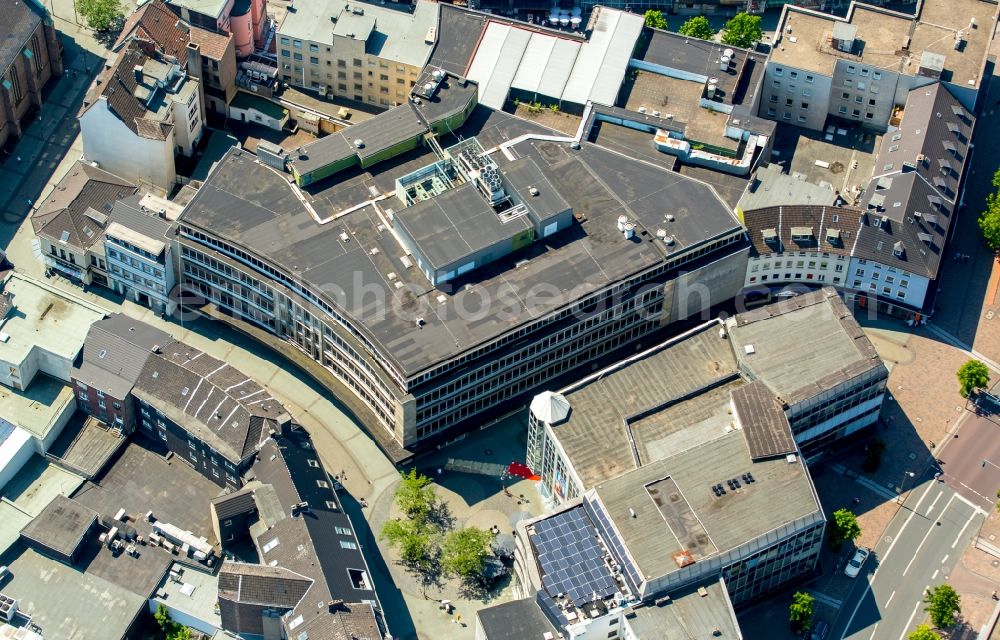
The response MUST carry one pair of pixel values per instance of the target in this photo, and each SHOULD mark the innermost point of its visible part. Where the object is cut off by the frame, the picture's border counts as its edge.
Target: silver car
(853, 567)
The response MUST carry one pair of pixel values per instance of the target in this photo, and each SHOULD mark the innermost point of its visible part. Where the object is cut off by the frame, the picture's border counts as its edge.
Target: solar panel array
(571, 558)
(603, 522)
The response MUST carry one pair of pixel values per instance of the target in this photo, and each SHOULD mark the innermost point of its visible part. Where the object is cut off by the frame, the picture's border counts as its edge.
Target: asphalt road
(962, 461)
(919, 549)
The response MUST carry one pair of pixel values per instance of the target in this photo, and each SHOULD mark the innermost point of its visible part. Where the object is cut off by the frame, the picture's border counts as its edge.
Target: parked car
(820, 630)
(853, 567)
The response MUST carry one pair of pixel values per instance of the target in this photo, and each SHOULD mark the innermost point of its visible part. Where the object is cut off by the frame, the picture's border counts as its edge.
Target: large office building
(481, 261)
(804, 362)
(861, 68)
(357, 50)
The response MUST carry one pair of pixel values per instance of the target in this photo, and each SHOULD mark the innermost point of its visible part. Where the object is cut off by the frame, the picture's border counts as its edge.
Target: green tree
(923, 632)
(179, 632)
(800, 612)
(742, 30)
(655, 19)
(989, 219)
(942, 605)
(843, 528)
(464, 552)
(415, 497)
(697, 27)
(162, 617)
(973, 375)
(101, 15)
(413, 538)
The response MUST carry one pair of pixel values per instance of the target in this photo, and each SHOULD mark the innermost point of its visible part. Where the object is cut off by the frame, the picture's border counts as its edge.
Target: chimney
(284, 424)
(137, 70)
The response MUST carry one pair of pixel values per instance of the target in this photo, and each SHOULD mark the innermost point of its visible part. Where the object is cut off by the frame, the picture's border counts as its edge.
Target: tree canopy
(414, 496)
(942, 605)
(697, 27)
(655, 19)
(843, 528)
(973, 375)
(413, 538)
(989, 219)
(800, 611)
(101, 15)
(464, 552)
(923, 632)
(742, 30)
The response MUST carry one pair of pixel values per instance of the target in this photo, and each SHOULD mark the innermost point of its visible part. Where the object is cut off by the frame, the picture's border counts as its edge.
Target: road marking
(959, 537)
(926, 535)
(891, 596)
(874, 631)
(906, 628)
(934, 576)
(868, 584)
(945, 558)
(931, 508)
(975, 492)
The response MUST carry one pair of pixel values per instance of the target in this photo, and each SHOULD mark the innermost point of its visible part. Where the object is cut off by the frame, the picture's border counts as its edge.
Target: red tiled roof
(154, 22)
(212, 45)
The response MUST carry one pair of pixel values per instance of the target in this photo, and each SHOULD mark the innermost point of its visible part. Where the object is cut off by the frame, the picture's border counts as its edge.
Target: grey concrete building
(806, 357)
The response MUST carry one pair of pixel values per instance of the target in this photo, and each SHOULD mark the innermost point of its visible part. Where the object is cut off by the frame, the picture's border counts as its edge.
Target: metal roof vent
(359, 143)
(533, 190)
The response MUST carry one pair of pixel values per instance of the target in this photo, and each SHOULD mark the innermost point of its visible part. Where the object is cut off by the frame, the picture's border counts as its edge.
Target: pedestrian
(30, 203)
(19, 159)
(937, 476)
(995, 597)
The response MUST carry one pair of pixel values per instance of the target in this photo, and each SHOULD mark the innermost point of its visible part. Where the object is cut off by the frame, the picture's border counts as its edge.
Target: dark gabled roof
(130, 214)
(155, 23)
(118, 86)
(114, 353)
(914, 214)
(20, 19)
(212, 400)
(311, 544)
(831, 229)
(763, 420)
(932, 139)
(262, 585)
(64, 217)
(60, 526)
(231, 504)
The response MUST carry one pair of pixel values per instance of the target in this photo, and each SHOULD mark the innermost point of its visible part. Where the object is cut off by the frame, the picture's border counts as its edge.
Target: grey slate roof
(61, 525)
(263, 585)
(770, 187)
(915, 187)
(21, 18)
(310, 544)
(64, 217)
(238, 502)
(515, 620)
(688, 614)
(114, 353)
(213, 400)
(128, 213)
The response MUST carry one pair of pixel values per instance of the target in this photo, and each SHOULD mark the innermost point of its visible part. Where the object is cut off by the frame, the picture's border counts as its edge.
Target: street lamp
(902, 481)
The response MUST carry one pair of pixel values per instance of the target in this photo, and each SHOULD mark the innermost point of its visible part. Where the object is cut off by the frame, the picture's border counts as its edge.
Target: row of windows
(135, 264)
(131, 247)
(778, 71)
(528, 382)
(303, 291)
